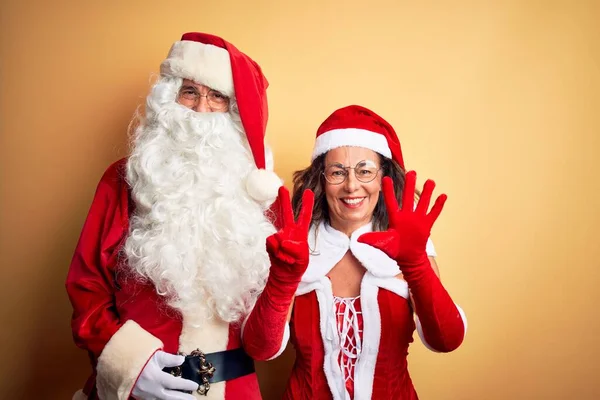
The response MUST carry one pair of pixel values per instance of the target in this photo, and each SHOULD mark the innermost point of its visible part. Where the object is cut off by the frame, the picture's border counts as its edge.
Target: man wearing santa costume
(172, 254)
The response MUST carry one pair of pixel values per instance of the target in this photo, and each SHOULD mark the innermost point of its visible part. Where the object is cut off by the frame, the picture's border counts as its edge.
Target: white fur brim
(263, 185)
(122, 360)
(203, 63)
(351, 137)
(269, 160)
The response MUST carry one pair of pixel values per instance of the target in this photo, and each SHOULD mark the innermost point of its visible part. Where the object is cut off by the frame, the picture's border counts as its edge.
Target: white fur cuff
(122, 360)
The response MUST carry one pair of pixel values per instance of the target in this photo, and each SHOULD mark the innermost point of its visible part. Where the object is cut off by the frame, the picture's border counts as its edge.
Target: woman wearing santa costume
(351, 282)
(172, 254)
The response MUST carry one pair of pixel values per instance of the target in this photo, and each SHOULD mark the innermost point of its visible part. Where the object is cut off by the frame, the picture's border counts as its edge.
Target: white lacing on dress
(349, 333)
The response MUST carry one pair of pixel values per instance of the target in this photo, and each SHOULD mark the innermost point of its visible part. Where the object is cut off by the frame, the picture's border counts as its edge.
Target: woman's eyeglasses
(365, 171)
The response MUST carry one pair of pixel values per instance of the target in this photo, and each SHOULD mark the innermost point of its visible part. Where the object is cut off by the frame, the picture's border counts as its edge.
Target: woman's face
(351, 203)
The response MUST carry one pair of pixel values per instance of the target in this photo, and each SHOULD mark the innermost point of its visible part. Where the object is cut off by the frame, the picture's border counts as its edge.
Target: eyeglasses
(217, 101)
(365, 171)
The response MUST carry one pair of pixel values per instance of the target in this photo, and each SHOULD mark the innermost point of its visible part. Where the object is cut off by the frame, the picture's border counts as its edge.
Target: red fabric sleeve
(91, 279)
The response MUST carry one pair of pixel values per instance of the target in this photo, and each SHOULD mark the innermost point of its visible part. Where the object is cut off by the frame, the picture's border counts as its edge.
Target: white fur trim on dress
(263, 185)
(463, 316)
(351, 137)
(331, 341)
(329, 246)
(430, 248)
(203, 63)
(364, 372)
(122, 360)
(365, 367)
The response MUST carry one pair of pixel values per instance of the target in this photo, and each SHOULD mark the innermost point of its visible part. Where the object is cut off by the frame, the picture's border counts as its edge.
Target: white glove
(153, 383)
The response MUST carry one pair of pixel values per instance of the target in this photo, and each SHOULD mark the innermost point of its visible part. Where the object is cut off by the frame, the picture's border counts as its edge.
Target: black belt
(205, 369)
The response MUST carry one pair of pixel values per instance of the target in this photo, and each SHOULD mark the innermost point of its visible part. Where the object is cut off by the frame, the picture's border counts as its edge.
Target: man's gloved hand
(153, 383)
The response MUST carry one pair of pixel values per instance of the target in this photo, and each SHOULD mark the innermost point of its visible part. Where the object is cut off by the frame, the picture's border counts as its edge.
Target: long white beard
(196, 234)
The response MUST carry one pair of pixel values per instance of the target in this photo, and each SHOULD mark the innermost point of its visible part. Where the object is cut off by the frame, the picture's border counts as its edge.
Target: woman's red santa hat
(360, 127)
(216, 63)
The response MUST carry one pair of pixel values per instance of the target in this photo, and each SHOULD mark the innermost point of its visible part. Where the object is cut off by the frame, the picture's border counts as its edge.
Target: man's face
(201, 98)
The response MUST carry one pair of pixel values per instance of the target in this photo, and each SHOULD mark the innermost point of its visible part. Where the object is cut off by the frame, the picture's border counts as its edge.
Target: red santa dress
(351, 348)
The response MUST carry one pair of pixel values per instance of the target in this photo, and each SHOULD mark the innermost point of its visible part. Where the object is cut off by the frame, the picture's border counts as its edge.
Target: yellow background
(498, 101)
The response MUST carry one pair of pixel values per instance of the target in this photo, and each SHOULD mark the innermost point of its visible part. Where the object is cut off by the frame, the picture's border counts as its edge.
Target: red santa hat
(216, 63)
(358, 126)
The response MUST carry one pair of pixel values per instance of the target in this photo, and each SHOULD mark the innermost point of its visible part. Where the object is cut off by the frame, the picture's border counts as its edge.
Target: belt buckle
(206, 371)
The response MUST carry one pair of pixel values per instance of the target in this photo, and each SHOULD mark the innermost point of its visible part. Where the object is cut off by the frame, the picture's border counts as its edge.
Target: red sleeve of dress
(91, 278)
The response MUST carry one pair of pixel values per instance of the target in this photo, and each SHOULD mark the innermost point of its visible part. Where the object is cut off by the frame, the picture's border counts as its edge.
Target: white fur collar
(329, 245)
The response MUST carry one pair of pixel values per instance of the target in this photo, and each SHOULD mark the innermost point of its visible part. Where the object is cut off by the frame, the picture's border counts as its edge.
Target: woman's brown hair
(312, 178)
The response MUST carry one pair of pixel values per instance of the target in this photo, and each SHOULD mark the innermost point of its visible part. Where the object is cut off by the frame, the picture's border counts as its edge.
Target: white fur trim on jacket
(122, 360)
(208, 335)
(351, 137)
(203, 63)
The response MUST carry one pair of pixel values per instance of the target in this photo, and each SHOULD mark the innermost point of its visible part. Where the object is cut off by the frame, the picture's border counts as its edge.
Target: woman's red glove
(405, 241)
(263, 333)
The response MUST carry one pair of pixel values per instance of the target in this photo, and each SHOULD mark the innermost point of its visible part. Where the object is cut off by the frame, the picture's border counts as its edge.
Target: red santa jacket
(122, 322)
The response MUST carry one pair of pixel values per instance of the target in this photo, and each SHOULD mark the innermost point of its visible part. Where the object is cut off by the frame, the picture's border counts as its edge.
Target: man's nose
(202, 105)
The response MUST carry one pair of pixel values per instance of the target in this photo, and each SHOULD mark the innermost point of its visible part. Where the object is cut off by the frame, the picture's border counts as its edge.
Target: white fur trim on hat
(263, 185)
(122, 360)
(203, 63)
(269, 160)
(351, 137)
